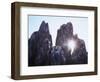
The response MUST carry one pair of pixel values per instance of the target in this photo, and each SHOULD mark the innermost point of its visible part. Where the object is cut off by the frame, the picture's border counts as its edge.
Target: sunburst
(71, 45)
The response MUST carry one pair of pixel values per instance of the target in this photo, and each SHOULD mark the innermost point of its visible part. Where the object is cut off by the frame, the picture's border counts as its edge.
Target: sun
(71, 45)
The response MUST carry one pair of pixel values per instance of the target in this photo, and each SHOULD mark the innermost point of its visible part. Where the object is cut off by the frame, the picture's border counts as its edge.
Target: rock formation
(79, 56)
(40, 44)
(57, 56)
(41, 52)
(65, 32)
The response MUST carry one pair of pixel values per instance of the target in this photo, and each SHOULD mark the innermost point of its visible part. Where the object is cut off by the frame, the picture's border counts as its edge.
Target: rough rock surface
(40, 44)
(64, 33)
(41, 52)
(79, 56)
(57, 56)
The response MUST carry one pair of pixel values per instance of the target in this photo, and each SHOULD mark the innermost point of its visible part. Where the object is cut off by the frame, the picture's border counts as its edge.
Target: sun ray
(71, 45)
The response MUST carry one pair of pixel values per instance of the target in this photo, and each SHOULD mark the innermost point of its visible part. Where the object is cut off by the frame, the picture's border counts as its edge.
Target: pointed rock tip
(43, 21)
(69, 23)
(44, 27)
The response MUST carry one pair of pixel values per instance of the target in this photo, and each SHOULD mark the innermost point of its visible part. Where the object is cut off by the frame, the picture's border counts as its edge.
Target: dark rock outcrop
(57, 56)
(40, 44)
(79, 55)
(64, 33)
(41, 52)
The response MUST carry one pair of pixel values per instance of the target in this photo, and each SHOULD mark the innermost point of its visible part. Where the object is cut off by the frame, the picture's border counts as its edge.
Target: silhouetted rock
(65, 32)
(79, 55)
(41, 52)
(57, 56)
(40, 44)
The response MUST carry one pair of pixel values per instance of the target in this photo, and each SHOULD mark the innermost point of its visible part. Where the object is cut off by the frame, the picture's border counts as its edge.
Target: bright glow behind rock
(71, 45)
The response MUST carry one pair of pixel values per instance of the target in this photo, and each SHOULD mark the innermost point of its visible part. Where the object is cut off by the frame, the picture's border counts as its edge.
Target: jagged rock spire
(41, 52)
(44, 27)
(65, 32)
(40, 44)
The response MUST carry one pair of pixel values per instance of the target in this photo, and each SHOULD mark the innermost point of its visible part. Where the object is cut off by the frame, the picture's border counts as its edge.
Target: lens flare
(71, 45)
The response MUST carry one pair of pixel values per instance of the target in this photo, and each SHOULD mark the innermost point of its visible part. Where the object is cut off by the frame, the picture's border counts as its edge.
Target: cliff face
(41, 52)
(40, 44)
(65, 32)
(79, 55)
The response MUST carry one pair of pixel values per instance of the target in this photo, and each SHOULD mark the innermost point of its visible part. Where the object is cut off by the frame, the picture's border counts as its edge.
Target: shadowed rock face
(40, 44)
(79, 56)
(57, 56)
(41, 52)
(65, 32)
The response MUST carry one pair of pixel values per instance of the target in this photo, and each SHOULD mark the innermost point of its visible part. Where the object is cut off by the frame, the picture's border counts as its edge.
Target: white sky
(80, 25)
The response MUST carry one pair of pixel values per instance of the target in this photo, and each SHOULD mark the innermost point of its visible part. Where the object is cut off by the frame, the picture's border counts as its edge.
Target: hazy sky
(80, 25)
